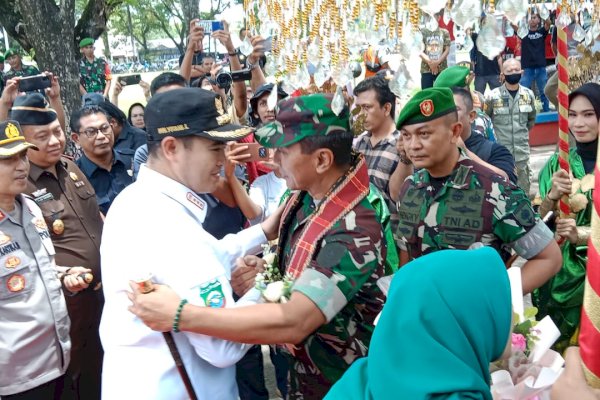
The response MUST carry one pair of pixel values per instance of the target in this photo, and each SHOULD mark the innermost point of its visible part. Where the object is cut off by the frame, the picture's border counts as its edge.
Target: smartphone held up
(34, 83)
(210, 26)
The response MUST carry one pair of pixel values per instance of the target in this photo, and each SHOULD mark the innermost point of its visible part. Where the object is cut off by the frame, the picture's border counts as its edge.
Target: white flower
(269, 258)
(273, 292)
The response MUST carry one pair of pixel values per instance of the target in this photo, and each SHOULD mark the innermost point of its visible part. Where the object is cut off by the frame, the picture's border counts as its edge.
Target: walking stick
(145, 286)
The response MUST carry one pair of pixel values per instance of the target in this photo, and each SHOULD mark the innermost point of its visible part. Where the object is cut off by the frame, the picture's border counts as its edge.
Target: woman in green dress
(562, 296)
(447, 316)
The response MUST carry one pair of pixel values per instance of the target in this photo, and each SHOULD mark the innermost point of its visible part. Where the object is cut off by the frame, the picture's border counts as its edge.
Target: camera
(224, 79)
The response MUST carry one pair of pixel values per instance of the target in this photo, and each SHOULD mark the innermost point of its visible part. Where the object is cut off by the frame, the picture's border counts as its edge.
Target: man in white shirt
(155, 227)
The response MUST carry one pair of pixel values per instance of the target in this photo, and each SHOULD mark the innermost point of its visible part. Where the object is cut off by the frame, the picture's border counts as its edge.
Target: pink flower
(519, 343)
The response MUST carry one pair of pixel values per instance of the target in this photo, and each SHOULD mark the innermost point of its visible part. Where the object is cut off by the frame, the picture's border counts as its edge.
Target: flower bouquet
(532, 367)
(273, 287)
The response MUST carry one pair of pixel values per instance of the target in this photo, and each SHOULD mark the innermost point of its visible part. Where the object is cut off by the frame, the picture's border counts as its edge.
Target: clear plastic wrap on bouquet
(532, 367)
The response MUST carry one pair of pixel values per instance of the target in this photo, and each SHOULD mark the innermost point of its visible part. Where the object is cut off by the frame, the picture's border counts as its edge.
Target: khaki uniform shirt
(512, 118)
(34, 327)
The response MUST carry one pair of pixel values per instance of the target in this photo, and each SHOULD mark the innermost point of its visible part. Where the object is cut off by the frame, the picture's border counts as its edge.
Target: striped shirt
(382, 160)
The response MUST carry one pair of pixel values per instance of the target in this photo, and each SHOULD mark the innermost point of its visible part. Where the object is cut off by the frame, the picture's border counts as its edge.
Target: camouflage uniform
(483, 126)
(473, 205)
(346, 263)
(93, 75)
(513, 118)
(341, 281)
(26, 70)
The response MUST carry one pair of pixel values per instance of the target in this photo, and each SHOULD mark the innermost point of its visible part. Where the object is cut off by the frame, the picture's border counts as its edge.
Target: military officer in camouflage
(331, 242)
(94, 72)
(17, 68)
(451, 202)
(512, 109)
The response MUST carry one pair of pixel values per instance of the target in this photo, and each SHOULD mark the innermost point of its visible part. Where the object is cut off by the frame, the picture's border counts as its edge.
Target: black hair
(466, 96)
(75, 122)
(207, 55)
(166, 79)
(340, 144)
(379, 84)
(131, 108)
(590, 91)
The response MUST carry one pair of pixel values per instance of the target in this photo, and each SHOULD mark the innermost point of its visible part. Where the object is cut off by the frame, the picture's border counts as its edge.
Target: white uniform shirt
(154, 226)
(266, 192)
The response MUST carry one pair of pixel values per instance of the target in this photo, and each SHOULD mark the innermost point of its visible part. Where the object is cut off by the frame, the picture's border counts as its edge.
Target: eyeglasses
(93, 132)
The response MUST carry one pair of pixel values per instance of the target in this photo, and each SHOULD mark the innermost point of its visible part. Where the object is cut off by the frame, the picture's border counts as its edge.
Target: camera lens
(224, 80)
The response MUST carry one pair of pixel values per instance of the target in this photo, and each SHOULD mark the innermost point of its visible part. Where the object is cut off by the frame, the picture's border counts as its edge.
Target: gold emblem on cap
(11, 131)
(73, 176)
(223, 118)
(426, 107)
(58, 226)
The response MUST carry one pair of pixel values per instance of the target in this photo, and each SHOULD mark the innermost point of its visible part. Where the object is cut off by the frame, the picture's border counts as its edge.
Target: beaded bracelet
(182, 303)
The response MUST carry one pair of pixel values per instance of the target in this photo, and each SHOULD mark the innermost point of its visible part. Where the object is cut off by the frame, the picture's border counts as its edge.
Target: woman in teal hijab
(447, 316)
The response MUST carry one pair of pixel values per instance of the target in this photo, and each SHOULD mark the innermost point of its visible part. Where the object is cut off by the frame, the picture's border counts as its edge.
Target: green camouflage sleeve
(515, 222)
(383, 216)
(351, 254)
(398, 236)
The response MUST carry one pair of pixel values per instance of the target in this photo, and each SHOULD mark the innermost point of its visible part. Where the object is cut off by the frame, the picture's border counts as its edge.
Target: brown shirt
(70, 198)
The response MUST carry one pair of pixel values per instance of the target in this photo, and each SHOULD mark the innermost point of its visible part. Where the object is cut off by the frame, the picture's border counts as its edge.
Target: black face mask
(512, 79)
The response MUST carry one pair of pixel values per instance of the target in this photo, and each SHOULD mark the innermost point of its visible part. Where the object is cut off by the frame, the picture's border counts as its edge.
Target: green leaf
(530, 312)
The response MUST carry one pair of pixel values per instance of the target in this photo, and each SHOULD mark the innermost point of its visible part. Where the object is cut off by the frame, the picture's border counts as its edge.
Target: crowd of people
(131, 271)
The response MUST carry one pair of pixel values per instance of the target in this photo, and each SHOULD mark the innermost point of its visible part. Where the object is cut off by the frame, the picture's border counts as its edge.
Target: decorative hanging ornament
(431, 6)
(466, 12)
(431, 23)
(273, 97)
(578, 33)
(399, 85)
(514, 10)
(491, 41)
(544, 12)
(523, 29)
(468, 45)
(322, 74)
(246, 47)
(338, 102)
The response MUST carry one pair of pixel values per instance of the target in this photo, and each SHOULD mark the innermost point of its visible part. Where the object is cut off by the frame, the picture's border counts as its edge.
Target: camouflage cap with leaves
(297, 118)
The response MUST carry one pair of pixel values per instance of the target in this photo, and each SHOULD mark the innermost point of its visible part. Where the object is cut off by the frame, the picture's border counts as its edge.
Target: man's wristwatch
(250, 65)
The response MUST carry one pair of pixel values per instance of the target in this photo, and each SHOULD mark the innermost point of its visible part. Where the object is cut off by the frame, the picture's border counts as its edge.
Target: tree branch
(94, 18)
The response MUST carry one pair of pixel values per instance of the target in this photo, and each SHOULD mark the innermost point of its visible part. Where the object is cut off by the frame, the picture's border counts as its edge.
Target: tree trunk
(190, 10)
(106, 46)
(54, 47)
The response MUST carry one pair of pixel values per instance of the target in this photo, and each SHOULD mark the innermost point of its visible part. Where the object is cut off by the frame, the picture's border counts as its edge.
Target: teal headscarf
(447, 316)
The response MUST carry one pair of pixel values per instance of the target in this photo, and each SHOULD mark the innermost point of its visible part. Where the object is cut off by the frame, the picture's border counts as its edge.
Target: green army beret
(11, 52)
(427, 105)
(1, 57)
(299, 117)
(88, 41)
(455, 76)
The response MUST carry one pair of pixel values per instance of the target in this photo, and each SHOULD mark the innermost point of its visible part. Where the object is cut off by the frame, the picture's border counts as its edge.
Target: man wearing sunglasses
(108, 171)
